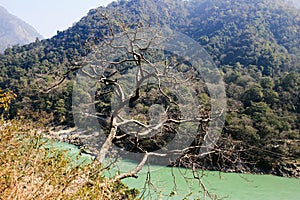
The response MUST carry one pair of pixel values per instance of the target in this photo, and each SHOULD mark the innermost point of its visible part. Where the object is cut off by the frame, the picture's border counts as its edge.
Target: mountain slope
(14, 31)
(255, 44)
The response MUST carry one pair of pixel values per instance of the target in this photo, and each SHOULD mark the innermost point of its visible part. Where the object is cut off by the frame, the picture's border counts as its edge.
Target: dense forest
(254, 43)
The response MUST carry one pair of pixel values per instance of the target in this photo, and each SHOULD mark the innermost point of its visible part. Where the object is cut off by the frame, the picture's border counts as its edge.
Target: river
(178, 183)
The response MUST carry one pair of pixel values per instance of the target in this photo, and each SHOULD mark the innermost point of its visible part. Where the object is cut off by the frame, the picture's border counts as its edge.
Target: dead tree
(137, 70)
(138, 94)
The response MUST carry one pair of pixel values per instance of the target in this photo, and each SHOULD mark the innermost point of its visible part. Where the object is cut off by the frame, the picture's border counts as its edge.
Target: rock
(73, 139)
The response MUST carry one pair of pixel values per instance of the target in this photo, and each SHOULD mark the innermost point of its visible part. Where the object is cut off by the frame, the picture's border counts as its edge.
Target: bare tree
(138, 95)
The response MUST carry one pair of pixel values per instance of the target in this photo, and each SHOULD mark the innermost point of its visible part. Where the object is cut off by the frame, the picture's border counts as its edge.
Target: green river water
(231, 186)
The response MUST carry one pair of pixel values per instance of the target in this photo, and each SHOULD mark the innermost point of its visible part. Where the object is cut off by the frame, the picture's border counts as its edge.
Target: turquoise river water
(178, 183)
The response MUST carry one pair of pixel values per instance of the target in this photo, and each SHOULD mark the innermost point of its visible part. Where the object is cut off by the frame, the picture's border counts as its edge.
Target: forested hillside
(254, 43)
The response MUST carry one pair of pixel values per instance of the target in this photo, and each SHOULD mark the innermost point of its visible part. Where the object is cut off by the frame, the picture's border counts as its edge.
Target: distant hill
(14, 31)
(296, 3)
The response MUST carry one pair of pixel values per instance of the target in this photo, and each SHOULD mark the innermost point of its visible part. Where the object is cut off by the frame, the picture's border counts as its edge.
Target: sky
(49, 16)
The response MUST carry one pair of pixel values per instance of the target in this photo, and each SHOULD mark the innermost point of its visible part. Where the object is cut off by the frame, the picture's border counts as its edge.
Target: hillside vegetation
(30, 170)
(254, 43)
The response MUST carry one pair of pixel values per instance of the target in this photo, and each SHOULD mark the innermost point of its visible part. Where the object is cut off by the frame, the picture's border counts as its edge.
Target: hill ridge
(15, 31)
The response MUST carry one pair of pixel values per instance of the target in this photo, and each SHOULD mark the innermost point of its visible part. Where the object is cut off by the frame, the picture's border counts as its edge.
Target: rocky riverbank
(290, 168)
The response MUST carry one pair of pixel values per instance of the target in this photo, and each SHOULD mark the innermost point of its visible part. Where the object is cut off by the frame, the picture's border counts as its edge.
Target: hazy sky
(48, 16)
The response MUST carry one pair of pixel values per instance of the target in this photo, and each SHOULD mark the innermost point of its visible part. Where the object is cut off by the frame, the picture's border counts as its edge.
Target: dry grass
(28, 171)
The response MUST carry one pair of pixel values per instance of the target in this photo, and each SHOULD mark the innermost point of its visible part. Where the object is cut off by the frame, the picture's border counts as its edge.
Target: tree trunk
(107, 144)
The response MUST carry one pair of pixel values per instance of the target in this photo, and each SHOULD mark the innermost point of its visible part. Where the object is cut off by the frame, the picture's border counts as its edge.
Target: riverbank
(285, 168)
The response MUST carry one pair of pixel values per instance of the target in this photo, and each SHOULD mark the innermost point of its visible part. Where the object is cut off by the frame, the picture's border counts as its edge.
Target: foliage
(6, 98)
(30, 171)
